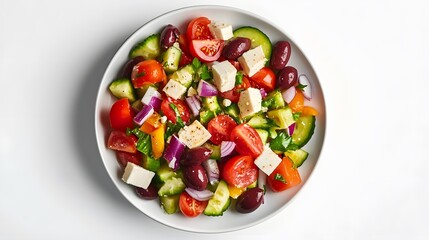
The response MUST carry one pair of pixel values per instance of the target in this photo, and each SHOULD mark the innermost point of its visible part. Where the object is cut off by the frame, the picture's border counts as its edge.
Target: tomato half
(181, 107)
(234, 94)
(284, 176)
(220, 128)
(121, 115)
(120, 141)
(191, 207)
(198, 28)
(264, 78)
(240, 171)
(125, 157)
(206, 50)
(247, 140)
(147, 72)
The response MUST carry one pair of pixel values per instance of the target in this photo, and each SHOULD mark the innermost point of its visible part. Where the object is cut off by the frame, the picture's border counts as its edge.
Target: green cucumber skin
(123, 88)
(298, 157)
(219, 203)
(305, 126)
(257, 38)
(149, 48)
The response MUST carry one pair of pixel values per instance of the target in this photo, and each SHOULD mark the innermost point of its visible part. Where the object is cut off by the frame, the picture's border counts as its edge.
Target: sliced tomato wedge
(220, 128)
(284, 176)
(171, 114)
(247, 140)
(191, 207)
(121, 115)
(198, 28)
(206, 50)
(147, 72)
(264, 78)
(240, 171)
(120, 141)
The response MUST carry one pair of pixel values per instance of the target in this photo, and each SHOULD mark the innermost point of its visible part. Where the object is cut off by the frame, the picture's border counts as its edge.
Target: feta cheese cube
(194, 135)
(137, 176)
(221, 31)
(249, 102)
(224, 76)
(174, 89)
(267, 161)
(150, 92)
(252, 61)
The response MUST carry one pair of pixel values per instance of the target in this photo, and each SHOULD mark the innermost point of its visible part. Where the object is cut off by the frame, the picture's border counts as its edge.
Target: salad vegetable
(210, 116)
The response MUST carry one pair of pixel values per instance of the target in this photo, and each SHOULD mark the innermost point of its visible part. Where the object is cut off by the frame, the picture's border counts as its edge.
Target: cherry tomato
(171, 114)
(120, 141)
(206, 50)
(247, 140)
(234, 94)
(191, 207)
(284, 176)
(147, 72)
(121, 115)
(125, 157)
(199, 29)
(264, 78)
(220, 128)
(240, 171)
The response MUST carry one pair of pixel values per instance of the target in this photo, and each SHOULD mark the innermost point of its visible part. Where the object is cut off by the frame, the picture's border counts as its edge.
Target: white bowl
(231, 220)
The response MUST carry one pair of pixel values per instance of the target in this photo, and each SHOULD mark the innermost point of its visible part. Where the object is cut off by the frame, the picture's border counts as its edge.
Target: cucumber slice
(298, 157)
(150, 163)
(215, 150)
(171, 59)
(257, 37)
(283, 117)
(219, 202)
(123, 88)
(234, 112)
(261, 121)
(263, 134)
(170, 204)
(212, 104)
(304, 129)
(149, 48)
(273, 100)
(172, 186)
(184, 76)
(164, 173)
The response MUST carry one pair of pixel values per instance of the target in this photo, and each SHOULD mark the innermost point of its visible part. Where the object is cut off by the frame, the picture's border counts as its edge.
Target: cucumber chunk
(171, 59)
(123, 88)
(298, 157)
(263, 134)
(273, 100)
(172, 186)
(184, 76)
(257, 37)
(304, 129)
(170, 204)
(215, 150)
(283, 117)
(261, 121)
(150, 163)
(219, 202)
(149, 48)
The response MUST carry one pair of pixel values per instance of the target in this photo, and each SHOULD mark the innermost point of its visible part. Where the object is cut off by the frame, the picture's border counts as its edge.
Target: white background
(372, 180)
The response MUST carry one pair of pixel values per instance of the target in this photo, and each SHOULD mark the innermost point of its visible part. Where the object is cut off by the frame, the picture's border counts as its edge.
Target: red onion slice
(303, 80)
(173, 152)
(291, 129)
(226, 148)
(203, 195)
(212, 169)
(144, 114)
(262, 180)
(205, 89)
(289, 94)
(263, 93)
(155, 103)
(194, 104)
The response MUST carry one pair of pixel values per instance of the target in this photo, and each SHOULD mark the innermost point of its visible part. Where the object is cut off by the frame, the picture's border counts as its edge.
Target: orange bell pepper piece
(297, 102)
(157, 140)
(154, 120)
(147, 128)
(309, 111)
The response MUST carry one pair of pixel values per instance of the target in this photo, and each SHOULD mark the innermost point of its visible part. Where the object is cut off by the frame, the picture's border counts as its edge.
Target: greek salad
(210, 118)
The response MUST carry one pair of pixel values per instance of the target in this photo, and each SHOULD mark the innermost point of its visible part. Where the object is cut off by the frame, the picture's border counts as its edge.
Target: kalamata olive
(236, 47)
(280, 55)
(195, 156)
(128, 67)
(195, 177)
(169, 36)
(150, 193)
(287, 77)
(250, 200)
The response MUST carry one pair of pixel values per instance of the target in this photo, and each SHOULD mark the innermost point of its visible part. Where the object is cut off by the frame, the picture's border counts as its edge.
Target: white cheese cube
(249, 102)
(137, 176)
(224, 76)
(150, 92)
(221, 31)
(252, 61)
(267, 161)
(174, 89)
(194, 135)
